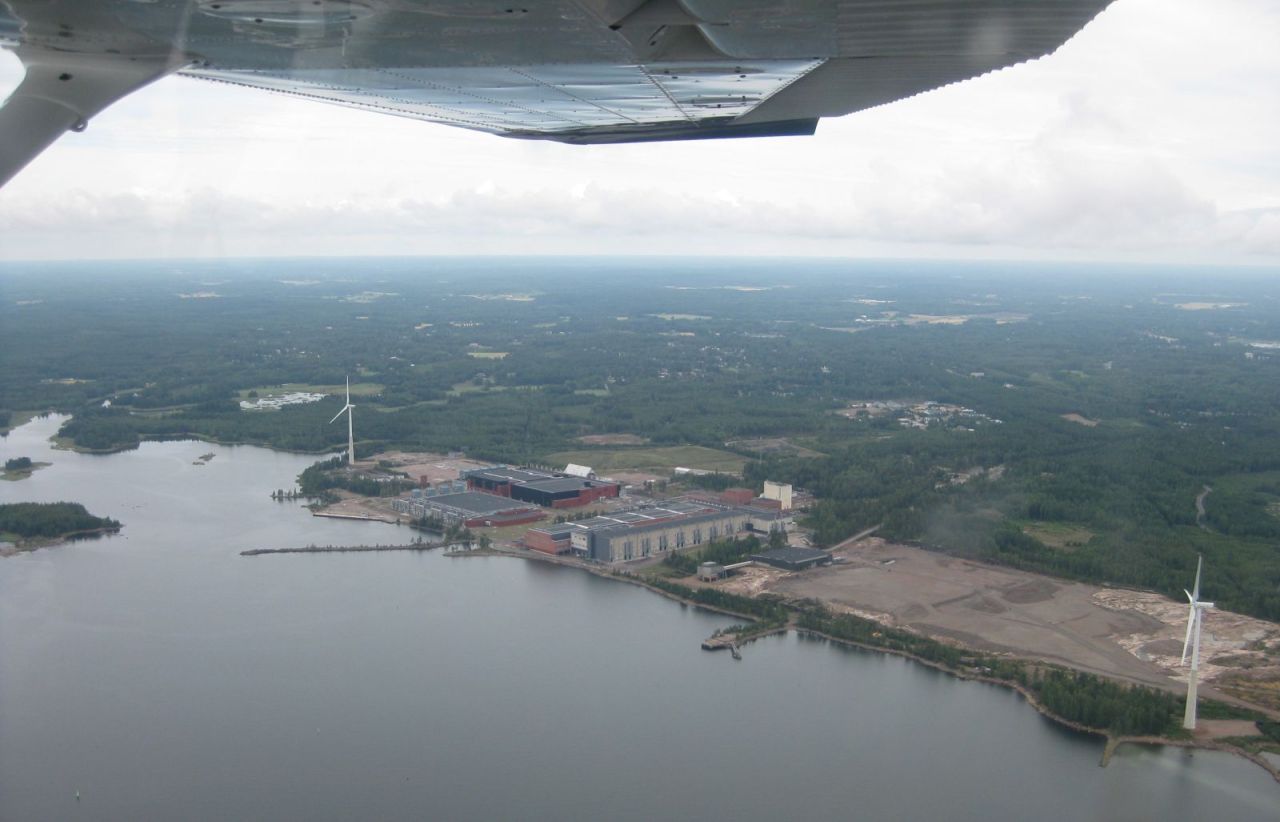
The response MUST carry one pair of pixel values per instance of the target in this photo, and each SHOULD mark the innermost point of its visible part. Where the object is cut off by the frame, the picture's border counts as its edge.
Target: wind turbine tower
(351, 436)
(1194, 619)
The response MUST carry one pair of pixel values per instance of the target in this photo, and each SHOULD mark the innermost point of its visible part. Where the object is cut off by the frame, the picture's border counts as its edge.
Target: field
(661, 460)
(1057, 534)
(612, 439)
(774, 447)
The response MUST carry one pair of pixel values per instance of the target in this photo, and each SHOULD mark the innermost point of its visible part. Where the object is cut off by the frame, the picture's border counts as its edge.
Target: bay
(161, 675)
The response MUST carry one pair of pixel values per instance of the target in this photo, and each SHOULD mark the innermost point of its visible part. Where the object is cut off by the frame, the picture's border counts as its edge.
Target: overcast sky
(1153, 135)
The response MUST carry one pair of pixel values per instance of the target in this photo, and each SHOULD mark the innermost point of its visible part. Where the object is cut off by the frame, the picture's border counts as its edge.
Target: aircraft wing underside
(580, 71)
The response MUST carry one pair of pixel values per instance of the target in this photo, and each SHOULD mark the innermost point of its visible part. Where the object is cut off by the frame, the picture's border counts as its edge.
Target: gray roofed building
(793, 559)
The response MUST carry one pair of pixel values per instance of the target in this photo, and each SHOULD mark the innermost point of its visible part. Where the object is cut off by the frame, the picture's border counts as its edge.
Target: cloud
(1119, 145)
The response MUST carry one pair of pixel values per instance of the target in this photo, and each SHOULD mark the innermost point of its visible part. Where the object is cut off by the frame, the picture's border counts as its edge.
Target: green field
(1057, 534)
(657, 460)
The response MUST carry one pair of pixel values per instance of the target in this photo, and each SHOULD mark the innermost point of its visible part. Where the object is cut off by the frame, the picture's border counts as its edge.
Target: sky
(1152, 136)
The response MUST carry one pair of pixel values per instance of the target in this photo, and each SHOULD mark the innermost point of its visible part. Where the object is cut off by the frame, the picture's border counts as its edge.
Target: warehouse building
(473, 509)
(540, 487)
(793, 559)
(648, 531)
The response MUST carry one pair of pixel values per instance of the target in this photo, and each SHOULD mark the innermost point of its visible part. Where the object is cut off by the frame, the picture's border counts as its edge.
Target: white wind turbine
(1193, 626)
(351, 436)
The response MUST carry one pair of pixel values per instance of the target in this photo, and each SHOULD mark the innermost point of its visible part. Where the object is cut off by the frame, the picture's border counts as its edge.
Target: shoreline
(67, 444)
(19, 474)
(1112, 741)
(28, 546)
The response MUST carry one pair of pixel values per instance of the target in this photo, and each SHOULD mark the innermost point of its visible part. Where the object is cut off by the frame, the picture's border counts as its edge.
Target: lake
(163, 676)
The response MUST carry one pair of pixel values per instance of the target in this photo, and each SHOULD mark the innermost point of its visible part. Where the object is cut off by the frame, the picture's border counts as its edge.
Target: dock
(720, 642)
(340, 549)
(360, 517)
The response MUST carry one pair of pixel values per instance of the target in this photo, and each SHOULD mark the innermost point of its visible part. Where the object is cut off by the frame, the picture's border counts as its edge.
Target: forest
(48, 520)
(1099, 401)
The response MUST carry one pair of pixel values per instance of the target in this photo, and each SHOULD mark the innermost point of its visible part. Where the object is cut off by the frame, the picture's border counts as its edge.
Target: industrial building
(711, 571)
(652, 530)
(540, 487)
(778, 491)
(793, 559)
(473, 509)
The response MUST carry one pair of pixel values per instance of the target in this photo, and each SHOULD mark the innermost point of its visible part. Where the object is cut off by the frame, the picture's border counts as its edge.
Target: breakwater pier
(340, 549)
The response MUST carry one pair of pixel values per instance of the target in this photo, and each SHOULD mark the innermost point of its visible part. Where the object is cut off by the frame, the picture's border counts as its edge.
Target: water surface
(163, 676)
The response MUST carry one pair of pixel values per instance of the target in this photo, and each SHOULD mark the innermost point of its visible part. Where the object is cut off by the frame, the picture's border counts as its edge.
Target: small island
(32, 525)
(21, 468)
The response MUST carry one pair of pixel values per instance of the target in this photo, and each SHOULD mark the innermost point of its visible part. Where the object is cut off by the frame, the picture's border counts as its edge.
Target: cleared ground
(774, 446)
(1126, 634)
(358, 389)
(435, 467)
(658, 460)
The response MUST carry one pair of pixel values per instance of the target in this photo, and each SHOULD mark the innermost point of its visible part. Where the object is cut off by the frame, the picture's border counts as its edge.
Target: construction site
(576, 517)
(1136, 636)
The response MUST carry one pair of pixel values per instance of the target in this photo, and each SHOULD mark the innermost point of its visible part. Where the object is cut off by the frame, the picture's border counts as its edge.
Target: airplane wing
(577, 71)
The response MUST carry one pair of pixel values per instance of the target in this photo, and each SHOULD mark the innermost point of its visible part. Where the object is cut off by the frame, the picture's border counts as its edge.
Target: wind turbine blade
(1186, 643)
(339, 414)
(1199, 562)
(349, 403)
(1190, 598)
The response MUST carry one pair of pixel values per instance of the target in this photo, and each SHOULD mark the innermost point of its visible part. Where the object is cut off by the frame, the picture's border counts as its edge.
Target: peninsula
(26, 526)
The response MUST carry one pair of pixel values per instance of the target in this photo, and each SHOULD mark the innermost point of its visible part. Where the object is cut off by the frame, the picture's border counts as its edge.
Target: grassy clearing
(657, 460)
(460, 388)
(359, 389)
(1058, 534)
(507, 533)
(774, 446)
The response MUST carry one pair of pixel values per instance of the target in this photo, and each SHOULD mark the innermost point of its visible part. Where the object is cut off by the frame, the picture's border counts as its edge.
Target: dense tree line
(1106, 705)
(319, 479)
(50, 519)
(767, 610)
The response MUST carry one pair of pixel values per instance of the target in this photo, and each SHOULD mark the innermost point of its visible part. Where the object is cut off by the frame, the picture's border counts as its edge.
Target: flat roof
(796, 555)
(658, 516)
(477, 502)
(555, 485)
(558, 530)
(509, 474)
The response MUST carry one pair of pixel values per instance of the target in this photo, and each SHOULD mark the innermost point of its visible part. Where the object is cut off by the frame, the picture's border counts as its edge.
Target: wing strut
(62, 90)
